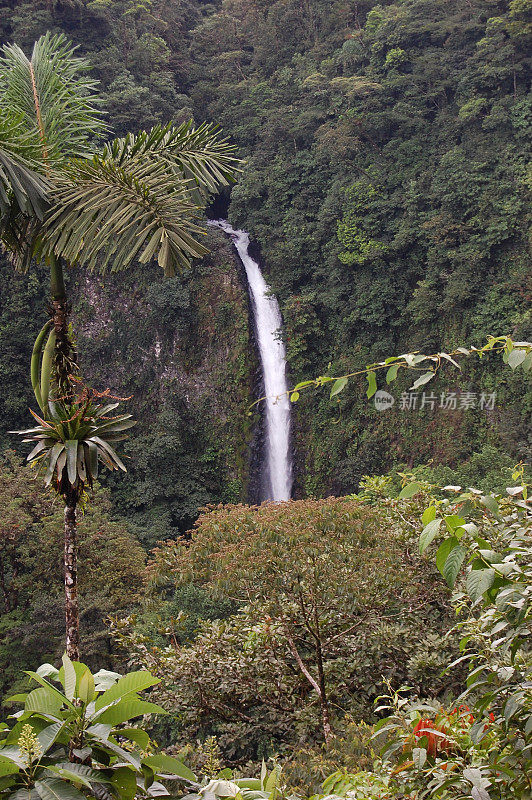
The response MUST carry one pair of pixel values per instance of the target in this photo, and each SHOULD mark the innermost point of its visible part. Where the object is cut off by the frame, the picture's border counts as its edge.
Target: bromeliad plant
(74, 739)
(76, 436)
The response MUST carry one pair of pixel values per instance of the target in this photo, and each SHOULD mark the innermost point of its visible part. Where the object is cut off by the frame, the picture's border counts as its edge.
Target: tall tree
(65, 201)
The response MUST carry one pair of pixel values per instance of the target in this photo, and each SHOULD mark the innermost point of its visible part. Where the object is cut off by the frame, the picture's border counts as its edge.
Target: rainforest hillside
(385, 184)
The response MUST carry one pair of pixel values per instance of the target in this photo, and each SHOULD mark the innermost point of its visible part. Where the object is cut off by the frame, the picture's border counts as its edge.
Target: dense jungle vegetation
(384, 178)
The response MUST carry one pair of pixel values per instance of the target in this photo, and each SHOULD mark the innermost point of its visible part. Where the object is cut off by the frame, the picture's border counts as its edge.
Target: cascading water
(277, 481)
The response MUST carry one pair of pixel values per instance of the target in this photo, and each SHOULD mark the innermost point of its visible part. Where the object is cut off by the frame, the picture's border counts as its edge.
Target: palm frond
(106, 216)
(20, 182)
(52, 96)
(139, 199)
(198, 155)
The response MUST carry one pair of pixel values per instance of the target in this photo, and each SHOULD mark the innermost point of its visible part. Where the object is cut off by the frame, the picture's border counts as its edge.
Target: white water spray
(268, 321)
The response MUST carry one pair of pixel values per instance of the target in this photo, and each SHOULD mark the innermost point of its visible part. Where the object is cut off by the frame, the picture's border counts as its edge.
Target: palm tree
(65, 199)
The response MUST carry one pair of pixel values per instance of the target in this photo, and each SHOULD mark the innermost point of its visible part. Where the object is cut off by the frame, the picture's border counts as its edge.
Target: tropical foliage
(78, 740)
(325, 614)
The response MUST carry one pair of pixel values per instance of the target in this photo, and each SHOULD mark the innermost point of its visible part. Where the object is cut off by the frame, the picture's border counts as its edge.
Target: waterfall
(277, 479)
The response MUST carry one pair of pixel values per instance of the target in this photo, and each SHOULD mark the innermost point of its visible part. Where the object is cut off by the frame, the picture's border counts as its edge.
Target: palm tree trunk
(71, 580)
(65, 356)
(64, 361)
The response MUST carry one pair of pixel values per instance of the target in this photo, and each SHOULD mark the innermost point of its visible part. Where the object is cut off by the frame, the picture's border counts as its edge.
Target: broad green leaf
(171, 766)
(131, 683)
(273, 779)
(125, 710)
(66, 774)
(391, 374)
(453, 522)
(82, 770)
(453, 564)
(120, 752)
(479, 581)
(69, 674)
(516, 357)
(86, 691)
(338, 386)
(409, 491)
(7, 767)
(48, 735)
(125, 782)
(513, 704)
(372, 384)
(136, 735)
(422, 380)
(490, 503)
(44, 701)
(13, 755)
(44, 682)
(249, 783)
(429, 532)
(56, 789)
(428, 515)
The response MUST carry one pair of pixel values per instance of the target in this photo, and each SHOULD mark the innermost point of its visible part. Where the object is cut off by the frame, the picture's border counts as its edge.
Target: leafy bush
(481, 746)
(78, 741)
(332, 599)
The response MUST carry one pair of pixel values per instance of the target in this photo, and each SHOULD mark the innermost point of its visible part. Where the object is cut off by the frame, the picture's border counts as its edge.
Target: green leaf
(69, 674)
(453, 522)
(338, 386)
(71, 446)
(391, 374)
(56, 789)
(125, 782)
(443, 551)
(125, 710)
(43, 701)
(136, 735)
(372, 384)
(7, 767)
(65, 773)
(86, 691)
(453, 564)
(294, 397)
(429, 532)
(48, 735)
(422, 380)
(44, 682)
(273, 779)
(513, 704)
(479, 581)
(131, 683)
(428, 515)
(409, 491)
(516, 357)
(169, 765)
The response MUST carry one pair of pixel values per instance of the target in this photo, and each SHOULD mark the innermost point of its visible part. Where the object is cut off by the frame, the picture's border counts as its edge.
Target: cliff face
(179, 348)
